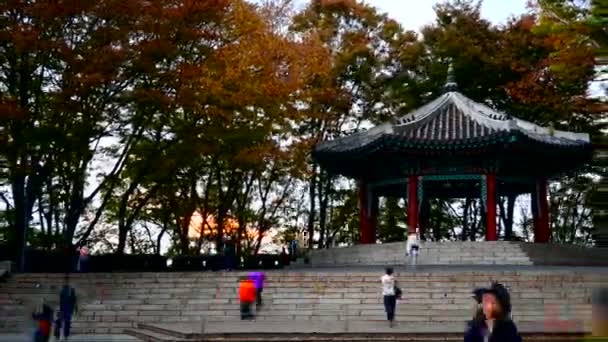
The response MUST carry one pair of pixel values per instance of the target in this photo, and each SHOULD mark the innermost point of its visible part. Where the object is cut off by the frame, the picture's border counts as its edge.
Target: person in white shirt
(412, 249)
(390, 298)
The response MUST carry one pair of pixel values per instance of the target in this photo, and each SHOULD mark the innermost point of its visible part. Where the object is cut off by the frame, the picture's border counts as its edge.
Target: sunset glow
(210, 228)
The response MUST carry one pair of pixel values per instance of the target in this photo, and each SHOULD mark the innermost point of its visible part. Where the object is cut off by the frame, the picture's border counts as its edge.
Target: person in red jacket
(247, 294)
(44, 318)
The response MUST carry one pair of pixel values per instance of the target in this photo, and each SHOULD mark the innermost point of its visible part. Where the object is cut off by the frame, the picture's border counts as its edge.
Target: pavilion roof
(455, 120)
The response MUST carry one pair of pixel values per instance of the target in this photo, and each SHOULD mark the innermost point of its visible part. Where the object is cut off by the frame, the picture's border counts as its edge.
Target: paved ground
(334, 327)
(322, 327)
(329, 327)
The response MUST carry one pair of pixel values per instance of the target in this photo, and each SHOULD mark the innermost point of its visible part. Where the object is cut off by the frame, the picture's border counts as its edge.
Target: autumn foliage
(122, 119)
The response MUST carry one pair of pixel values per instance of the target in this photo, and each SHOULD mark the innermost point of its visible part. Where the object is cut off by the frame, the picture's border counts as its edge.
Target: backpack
(398, 292)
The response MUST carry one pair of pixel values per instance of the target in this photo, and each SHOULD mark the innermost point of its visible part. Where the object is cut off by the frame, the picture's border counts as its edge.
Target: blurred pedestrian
(229, 254)
(45, 319)
(246, 297)
(495, 325)
(293, 249)
(258, 281)
(390, 292)
(284, 257)
(67, 307)
(412, 249)
(83, 260)
(599, 327)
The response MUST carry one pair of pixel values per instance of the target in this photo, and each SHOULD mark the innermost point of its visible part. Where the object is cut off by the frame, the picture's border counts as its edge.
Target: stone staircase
(114, 302)
(459, 253)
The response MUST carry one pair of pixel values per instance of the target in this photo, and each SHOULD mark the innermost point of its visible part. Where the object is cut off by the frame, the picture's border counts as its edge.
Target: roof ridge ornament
(450, 82)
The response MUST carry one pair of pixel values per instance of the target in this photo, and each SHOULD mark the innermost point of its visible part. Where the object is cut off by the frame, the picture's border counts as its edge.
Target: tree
(571, 216)
(392, 221)
(587, 18)
(235, 130)
(62, 69)
(521, 69)
(363, 45)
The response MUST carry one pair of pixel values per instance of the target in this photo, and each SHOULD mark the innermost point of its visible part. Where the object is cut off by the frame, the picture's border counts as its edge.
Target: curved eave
(516, 144)
(397, 143)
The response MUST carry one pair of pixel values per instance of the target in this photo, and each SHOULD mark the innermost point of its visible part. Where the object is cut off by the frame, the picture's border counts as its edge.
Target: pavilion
(454, 147)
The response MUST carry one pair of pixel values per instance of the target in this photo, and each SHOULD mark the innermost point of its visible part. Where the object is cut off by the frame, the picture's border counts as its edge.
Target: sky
(413, 14)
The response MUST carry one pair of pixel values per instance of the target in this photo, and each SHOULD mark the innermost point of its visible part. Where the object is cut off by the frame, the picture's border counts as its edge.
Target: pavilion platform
(465, 253)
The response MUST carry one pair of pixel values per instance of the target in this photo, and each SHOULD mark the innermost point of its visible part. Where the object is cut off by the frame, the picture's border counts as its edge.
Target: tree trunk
(75, 207)
(477, 216)
(183, 225)
(509, 219)
(425, 218)
(312, 212)
(132, 242)
(21, 221)
(242, 201)
(48, 215)
(324, 190)
(482, 223)
(258, 242)
(159, 238)
(226, 199)
(437, 224)
(465, 219)
(221, 217)
(122, 242)
(390, 222)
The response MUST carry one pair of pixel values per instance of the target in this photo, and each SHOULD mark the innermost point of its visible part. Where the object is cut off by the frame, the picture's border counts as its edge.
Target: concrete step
(432, 297)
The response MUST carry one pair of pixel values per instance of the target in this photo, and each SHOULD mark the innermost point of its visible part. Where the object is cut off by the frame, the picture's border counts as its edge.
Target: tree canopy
(121, 122)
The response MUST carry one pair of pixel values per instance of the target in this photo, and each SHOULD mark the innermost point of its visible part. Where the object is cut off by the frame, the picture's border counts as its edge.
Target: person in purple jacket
(258, 280)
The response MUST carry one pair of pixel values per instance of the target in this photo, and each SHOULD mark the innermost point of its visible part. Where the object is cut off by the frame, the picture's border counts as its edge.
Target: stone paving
(347, 327)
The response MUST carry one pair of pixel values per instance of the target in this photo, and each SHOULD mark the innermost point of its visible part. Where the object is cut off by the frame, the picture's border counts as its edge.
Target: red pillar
(491, 208)
(542, 233)
(364, 217)
(412, 205)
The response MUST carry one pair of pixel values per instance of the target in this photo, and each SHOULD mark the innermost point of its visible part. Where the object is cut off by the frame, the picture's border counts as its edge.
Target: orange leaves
(527, 22)
(259, 68)
(348, 6)
(25, 38)
(11, 110)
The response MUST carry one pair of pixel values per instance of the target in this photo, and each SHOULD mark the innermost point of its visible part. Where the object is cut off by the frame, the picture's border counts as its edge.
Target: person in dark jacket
(67, 306)
(229, 254)
(495, 325)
